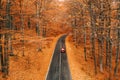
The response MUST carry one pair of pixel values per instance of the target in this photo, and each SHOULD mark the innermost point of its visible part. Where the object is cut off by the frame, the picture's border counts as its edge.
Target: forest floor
(76, 62)
(34, 64)
(81, 69)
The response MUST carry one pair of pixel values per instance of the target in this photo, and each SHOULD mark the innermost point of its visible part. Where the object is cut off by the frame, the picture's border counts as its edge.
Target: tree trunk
(85, 54)
(107, 47)
(37, 15)
(84, 28)
(110, 59)
(0, 51)
(8, 22)
(93, 26)
(5, 57)
(22, 26)
(117, 53)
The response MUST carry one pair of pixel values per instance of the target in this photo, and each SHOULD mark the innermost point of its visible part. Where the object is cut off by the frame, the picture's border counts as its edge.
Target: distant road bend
(59, 69)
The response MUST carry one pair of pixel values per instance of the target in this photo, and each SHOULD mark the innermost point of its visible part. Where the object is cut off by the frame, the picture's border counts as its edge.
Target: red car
(62, 50)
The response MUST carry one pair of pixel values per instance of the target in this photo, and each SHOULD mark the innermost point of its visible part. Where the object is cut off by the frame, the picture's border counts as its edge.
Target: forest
(29, 27)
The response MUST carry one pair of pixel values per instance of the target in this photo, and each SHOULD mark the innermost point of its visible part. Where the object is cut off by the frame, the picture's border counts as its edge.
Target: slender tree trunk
(109, 53)
(38, 28)
(5, 41)
(9, 25)
(117, 53)
(37, 15)
(101, 48)
(93, 52)
(84, 28)
(108, 24)
(22, 26)
(107, 47)
(85, 54)
(6, 57)
(101, 29)
(0, 51)
(110, 59)
(93, 45)
(93, 36)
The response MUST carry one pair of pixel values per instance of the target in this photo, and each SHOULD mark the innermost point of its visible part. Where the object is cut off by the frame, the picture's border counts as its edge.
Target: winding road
(59, 68)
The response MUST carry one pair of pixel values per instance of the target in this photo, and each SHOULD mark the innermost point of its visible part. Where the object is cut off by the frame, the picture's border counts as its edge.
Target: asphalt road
(59, 69)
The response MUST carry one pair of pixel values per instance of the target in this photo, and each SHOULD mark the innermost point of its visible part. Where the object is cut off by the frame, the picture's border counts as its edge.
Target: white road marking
(60, 68)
